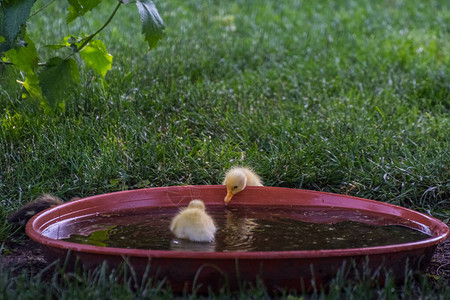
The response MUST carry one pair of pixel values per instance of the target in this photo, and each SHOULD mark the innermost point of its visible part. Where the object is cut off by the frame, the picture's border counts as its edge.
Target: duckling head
(235, 181)
(196, 204)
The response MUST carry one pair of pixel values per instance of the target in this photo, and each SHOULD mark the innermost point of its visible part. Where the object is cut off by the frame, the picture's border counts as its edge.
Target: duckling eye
(235, 187)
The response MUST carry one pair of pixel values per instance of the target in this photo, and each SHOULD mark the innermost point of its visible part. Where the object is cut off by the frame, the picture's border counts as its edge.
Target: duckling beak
(228, 197)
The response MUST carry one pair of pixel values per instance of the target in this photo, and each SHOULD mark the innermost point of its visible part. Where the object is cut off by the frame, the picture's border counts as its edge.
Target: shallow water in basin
(241, 229)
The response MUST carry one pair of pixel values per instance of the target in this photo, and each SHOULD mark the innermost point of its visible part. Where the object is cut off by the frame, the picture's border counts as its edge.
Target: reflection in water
(243, 229)
(237, 233)
(187, 245)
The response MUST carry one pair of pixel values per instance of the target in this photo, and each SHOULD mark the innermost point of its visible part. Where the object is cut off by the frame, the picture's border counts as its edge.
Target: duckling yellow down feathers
(237, 178)
(193, 223)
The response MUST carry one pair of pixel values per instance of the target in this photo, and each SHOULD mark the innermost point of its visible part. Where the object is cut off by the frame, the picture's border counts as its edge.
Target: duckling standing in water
(237, 178)
(194, 223)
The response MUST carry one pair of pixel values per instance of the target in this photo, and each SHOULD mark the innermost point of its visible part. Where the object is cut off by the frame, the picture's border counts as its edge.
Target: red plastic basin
(293, 270)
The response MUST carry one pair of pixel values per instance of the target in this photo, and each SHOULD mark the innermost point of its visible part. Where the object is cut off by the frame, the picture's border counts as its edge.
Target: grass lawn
(341, 96)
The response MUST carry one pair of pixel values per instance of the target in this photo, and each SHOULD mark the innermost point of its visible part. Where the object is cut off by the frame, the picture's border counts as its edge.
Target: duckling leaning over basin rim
(237, 179)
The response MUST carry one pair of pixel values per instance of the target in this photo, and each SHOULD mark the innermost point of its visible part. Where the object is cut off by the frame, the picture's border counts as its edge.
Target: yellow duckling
(194, 223)
(237, 178)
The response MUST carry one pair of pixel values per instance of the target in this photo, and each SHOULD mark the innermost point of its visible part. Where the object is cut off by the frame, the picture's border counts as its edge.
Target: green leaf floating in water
(99, 238)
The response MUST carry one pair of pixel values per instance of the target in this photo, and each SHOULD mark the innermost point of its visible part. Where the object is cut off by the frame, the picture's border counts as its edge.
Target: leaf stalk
(89, 38)
(42, 8)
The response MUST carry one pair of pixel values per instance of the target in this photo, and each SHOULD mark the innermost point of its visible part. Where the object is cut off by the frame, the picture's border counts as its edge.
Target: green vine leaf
(24, 58)
(152, 24)
(68, 42)
(57, 78)
(56, 46)
(78, 8)
(13, 14)
(4, 46)
(8, 81)
(97, 57)
(31, 85)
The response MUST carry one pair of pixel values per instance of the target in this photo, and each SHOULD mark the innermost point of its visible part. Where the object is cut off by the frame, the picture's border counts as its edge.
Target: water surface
(241, 229)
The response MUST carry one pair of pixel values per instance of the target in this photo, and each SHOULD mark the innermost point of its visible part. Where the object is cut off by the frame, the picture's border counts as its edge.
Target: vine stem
(89, 38)
(42, 8)
(41, 64)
